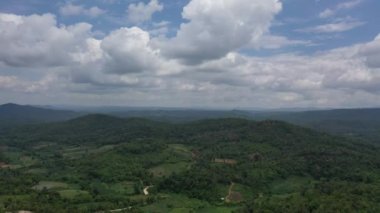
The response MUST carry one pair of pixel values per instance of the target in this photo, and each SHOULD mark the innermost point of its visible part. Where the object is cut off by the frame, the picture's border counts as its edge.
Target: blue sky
(296, 14)
(182, 52)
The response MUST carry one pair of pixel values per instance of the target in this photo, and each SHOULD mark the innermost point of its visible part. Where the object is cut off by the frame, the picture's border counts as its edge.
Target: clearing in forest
(233, 197)
(50, 185)
(225, 161)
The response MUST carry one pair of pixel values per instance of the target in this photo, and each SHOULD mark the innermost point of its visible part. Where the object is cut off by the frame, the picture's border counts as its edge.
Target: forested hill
(357, 123)
(94, 128)
(100, 163)
(361, 123)
(14, 114)
(99, 128)
(103, 127)
(181, 115)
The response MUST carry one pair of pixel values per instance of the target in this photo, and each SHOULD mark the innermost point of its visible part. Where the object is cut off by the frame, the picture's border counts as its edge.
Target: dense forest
(357, 123)
(354, 123)
(99, 163)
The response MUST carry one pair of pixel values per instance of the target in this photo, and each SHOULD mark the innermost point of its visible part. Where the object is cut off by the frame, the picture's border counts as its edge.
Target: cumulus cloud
(324, 79)
(70, 9)
(141, 12)
(371, 52)
(36, 40)
(215, 28)
(128, 50)
(129, 63)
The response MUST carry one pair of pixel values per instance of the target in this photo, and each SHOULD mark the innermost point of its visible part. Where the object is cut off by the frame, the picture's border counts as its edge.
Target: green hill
(94, 129)
(101, 163)
(360, 123)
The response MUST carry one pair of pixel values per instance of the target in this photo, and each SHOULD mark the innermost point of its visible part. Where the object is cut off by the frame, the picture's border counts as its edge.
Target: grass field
(44, 145)
(37, 171)
(290, 185)
(79, 151)
(167, 169)
(17, 159)
(125, 187)
(50, 185)
(72, 193)
(181, 149)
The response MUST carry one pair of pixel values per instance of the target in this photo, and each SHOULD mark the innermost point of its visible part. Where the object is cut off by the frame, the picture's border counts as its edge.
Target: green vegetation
(72, 193)
(167, 169)
(50, 185)
(100, 163)
(358, 123)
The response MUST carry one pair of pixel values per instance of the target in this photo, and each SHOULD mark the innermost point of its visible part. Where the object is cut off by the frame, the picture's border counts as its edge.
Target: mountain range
(359, 123)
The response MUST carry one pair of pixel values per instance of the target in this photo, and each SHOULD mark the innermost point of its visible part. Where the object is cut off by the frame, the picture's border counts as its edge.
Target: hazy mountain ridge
(360, 123)
(14, 114)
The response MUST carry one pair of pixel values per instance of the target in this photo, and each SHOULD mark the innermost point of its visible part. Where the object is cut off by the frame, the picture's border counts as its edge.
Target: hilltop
(359, 123)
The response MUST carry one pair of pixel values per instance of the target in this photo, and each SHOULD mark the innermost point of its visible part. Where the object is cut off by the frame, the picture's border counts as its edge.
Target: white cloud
(89, 52)
(109, 1)
(276, 42)
(128, 50)
(371, 52)
(329, 12)
(215, 28)
(128, 64)
(15, 84)
(141, 12)
(8, 82)
(70, 9)
(37, 41)
(332, 78)
(349, 4)
(334, 27)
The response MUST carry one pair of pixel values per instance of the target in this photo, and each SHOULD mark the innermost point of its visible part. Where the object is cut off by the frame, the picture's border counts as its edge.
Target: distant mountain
(359, 123)
(362, 123)
(180, 115)
(14, 114)
(170, 114)
(93, 128)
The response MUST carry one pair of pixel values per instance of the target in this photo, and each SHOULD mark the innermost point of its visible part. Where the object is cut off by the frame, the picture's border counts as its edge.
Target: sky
(191, 53)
